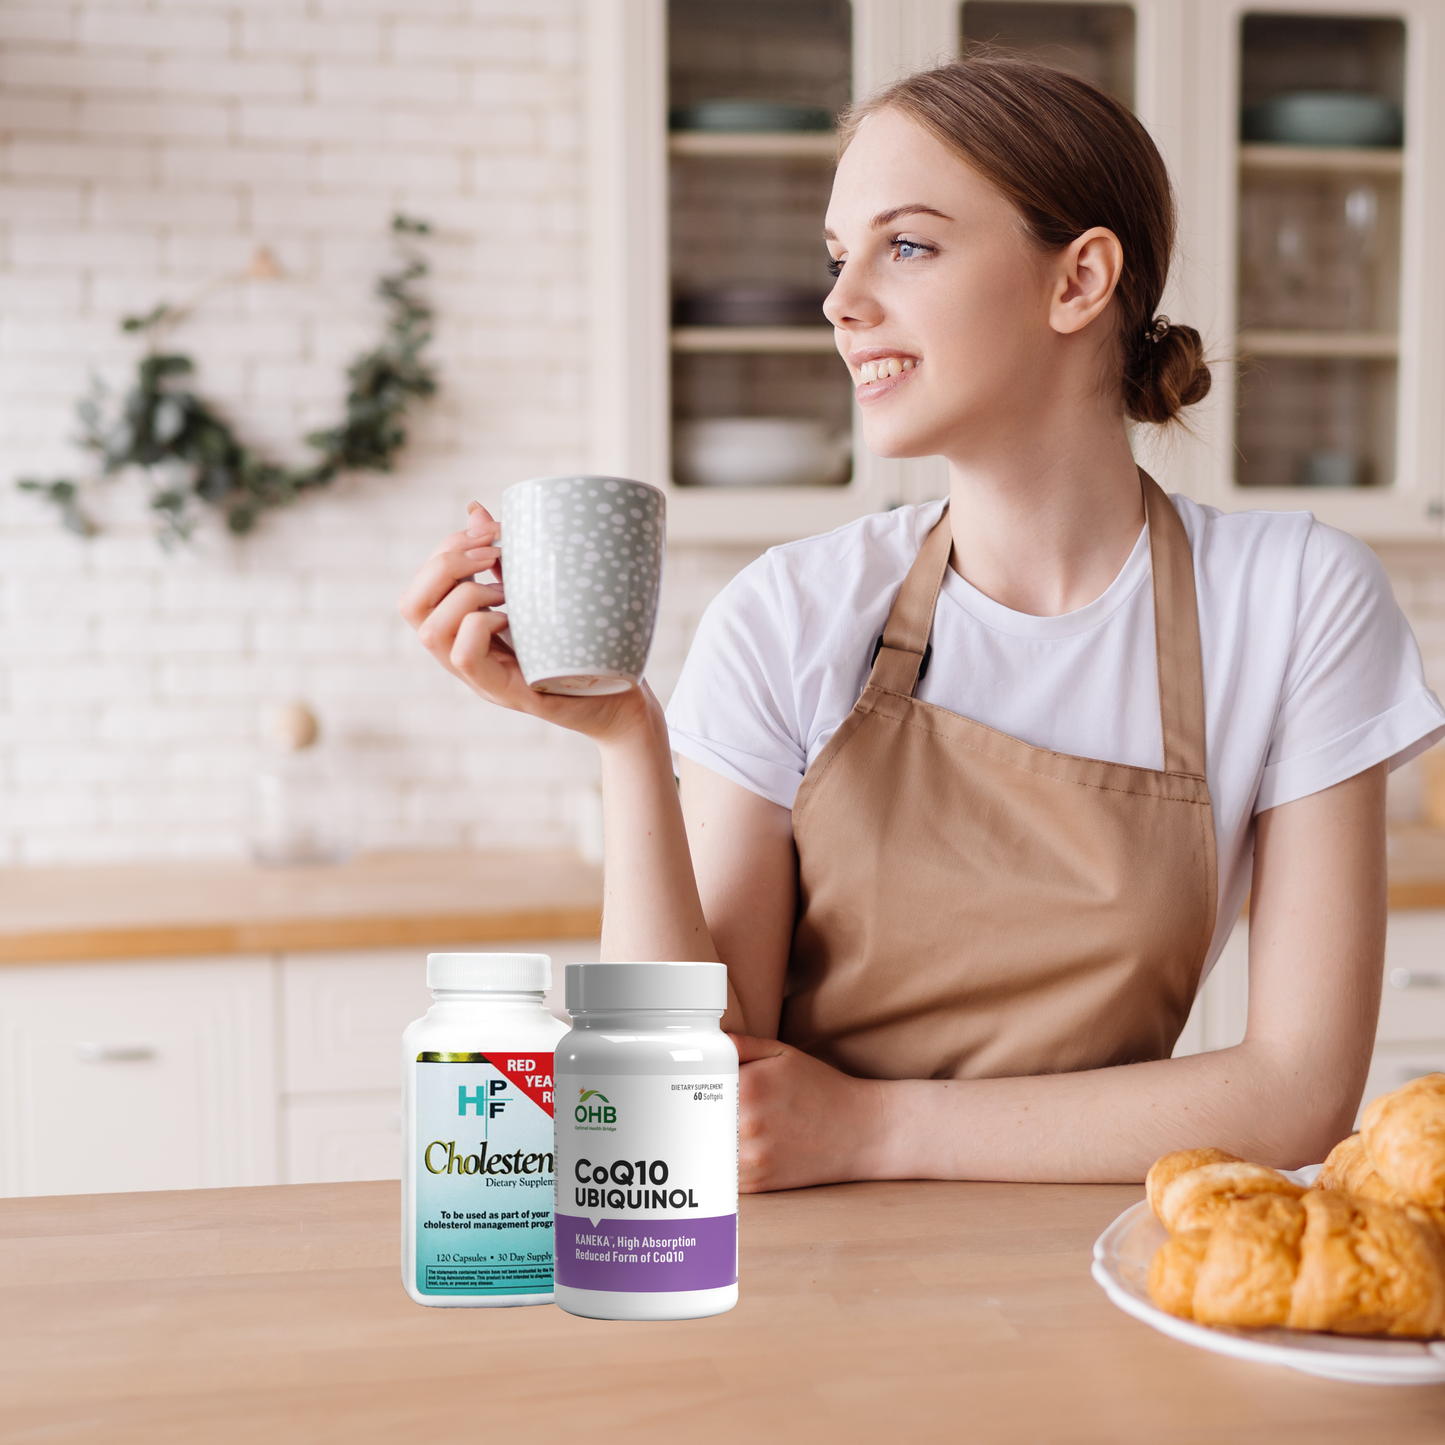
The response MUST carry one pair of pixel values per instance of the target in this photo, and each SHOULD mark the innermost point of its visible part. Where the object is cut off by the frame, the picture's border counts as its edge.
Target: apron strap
(1176, 634)
(1176, 627)
(899, 656)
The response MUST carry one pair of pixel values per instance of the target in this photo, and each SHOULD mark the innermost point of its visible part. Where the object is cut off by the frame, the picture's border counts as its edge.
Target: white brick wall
(147, 146)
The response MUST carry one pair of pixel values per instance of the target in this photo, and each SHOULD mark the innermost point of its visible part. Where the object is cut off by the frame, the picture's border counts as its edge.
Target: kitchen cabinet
(200, 1072)
(1319, 262)
(341, 1019)
(1307, 268)
(137, 1076)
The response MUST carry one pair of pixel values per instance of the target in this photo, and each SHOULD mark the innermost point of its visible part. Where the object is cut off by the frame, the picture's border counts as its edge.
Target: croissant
(1404, 1135)
(1362, 1253)
(1404, 1132)
(1167, 1169)
(1196, 1198)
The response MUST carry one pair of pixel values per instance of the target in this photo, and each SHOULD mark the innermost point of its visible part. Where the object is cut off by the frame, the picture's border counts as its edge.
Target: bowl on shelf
(760, 451)
(751, 303)
(1331, 467)
(751, 115)
(1324, 118)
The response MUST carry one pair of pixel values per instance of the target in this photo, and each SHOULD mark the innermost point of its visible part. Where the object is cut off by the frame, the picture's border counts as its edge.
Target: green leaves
(192, 455)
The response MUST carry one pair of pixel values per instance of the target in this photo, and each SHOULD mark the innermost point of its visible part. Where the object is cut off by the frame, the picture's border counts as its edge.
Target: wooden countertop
(380, 900)
(377, 900)
(916, 1311)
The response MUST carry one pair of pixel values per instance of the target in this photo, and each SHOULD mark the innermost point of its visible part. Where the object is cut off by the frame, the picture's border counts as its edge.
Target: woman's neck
(1043, 522)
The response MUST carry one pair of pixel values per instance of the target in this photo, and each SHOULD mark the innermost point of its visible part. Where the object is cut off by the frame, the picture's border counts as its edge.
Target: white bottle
(647, 1144)
(477, 1158)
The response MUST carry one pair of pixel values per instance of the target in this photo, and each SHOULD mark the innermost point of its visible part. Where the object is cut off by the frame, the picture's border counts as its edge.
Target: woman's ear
(1086, 272)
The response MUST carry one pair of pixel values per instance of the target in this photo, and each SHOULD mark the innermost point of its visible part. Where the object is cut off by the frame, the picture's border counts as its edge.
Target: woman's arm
(747, 875)
(651, 905)
(1284, 1096)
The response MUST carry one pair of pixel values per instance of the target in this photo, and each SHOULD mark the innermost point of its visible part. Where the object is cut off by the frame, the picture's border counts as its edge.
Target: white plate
(1121, 1265)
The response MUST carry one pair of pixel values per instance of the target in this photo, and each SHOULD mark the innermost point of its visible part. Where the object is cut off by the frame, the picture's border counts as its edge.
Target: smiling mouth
(884, 368)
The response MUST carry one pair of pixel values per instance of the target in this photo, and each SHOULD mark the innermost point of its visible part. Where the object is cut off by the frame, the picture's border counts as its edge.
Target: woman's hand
(802, 1122)
(454, 618)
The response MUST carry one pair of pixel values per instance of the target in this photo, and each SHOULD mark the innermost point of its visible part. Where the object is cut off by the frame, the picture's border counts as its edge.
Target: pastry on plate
(1247, 1275)
(1326, 1261)
(1404, 1135)
(1169, 1167)
(1198, 1197)
(1367, 1268)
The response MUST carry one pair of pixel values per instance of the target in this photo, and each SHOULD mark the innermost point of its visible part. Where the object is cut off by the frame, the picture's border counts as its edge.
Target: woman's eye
(911, 250)
(835, 268)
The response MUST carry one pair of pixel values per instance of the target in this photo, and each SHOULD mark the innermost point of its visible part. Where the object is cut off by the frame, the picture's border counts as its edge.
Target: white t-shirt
(1311, 673)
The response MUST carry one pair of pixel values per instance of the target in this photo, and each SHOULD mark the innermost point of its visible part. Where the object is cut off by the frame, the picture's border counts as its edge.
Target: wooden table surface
(377, 900)
(878, 1312)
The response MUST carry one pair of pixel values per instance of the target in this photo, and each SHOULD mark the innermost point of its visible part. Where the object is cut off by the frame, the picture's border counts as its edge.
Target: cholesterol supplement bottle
(647, 1144)
(478, 1158)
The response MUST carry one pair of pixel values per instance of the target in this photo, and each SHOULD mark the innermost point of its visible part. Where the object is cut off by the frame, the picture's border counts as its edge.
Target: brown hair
(1068, 156)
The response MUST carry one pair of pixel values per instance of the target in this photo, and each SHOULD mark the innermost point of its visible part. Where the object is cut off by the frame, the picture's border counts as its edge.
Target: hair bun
(1166, 373)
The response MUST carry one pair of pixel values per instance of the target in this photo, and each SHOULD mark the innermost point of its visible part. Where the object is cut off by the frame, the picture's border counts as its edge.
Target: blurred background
(237, 801)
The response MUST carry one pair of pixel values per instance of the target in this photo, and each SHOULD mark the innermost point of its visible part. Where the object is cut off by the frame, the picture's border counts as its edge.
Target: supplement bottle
(647, 1144)
(477, 1158)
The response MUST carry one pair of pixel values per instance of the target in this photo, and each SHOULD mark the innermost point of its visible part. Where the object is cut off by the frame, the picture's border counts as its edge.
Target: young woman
(973, 792)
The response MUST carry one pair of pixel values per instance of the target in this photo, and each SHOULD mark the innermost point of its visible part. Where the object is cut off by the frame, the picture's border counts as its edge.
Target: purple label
(647, 1254)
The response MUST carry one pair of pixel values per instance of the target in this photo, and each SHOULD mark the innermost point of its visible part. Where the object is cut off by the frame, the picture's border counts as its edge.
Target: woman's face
(942, 307)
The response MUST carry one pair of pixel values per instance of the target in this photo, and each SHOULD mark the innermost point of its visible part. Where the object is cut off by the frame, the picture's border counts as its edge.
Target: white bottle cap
(489, 972)
(626, 986)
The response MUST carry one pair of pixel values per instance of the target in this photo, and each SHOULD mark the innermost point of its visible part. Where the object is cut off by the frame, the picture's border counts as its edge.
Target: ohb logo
(586, 1113)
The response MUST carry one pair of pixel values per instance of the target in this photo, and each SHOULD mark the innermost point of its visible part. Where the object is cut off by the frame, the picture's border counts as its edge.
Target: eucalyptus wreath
(190, 454)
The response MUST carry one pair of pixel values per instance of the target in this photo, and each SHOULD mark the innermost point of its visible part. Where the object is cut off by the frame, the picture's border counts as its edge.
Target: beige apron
(974, 907)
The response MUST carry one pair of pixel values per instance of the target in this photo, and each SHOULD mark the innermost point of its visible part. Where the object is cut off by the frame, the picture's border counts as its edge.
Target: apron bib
(975, 907)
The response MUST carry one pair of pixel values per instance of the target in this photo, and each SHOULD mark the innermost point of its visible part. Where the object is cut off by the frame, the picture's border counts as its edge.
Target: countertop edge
(295, 935)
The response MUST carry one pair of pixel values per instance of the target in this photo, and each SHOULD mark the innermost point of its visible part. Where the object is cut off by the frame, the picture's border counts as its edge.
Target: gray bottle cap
(489, 972)
(626, 986)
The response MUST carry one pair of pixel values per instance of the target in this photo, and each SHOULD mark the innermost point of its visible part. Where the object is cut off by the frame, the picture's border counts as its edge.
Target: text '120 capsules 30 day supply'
(478, 1155)
(647, 1143)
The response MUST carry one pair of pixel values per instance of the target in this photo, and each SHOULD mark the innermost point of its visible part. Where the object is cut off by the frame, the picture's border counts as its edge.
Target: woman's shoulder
(1293, 550)
(872, 553)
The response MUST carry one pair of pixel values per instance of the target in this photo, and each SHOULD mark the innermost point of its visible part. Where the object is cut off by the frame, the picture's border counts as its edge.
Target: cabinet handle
(1407, 978)
(115, 1053)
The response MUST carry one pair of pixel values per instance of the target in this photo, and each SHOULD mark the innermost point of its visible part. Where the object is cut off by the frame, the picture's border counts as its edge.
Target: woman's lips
(871, 391)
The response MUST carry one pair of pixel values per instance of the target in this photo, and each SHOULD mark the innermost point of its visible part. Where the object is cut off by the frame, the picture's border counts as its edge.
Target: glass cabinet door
(760, 397)
(1318, 261)
(1095, 41)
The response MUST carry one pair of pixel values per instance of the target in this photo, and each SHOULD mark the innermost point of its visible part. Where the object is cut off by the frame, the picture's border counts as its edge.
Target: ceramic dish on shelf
(1121, 1266)
(1324, 118)
(753, 303)
(751, 116)
(760, 451)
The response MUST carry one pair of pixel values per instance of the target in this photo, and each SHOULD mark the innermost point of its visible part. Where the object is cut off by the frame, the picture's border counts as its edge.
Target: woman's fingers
(439, 575)
(483, 661)
(438, 629)
(480, 522)
(484, 530)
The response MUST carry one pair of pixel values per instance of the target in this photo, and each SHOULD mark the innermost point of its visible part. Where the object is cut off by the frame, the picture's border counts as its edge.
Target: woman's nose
(850, 303)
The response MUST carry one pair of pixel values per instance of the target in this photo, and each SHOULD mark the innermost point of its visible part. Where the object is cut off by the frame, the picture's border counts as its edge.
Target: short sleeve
(734, 709)
(1354, 691)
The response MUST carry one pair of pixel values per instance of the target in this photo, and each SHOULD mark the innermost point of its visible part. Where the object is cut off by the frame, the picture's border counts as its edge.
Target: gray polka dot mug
(582, 564)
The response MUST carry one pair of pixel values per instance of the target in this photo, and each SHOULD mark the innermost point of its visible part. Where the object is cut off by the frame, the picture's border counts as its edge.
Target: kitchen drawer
(333, 1141)
(137, 1076)
(343, 1013)
(1412, 1002)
